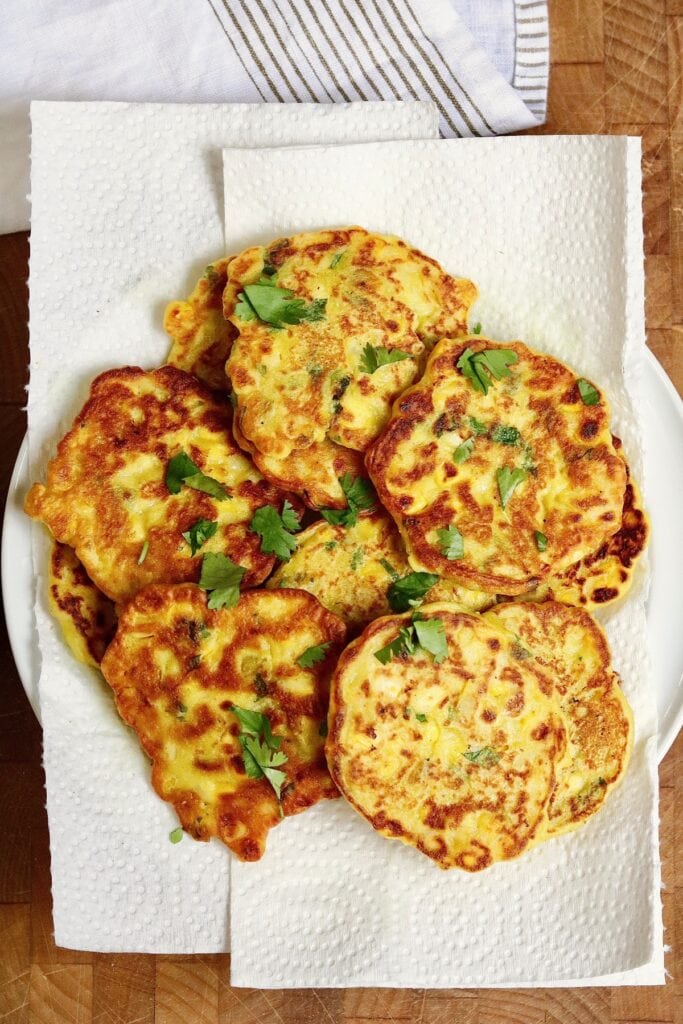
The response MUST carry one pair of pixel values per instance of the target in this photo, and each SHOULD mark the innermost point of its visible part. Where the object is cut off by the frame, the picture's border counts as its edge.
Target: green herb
(336, 258)
(360, 496)
(476, 329)
(222, 578)
(420, 717)
(210, 274)
(322, 729)
(199, 533)
(486, 757)
(451, 542)
(528, 460)
(181, 710)
(312, 655)
(176, 835)
(182, 470)
(589, 395)
(275, 530)
(508, 479)
(331, 545)
(143, 552)
(375, 356)
(409, 592)
(356, 559)
(261, 752)
(315, 370)
(388, 567)
(275, 306)
(463, 451)
(481, 368)
(425, 634)
(478, 428)
(541, 540)
(505, 435)
(269, 269)
(519, 652)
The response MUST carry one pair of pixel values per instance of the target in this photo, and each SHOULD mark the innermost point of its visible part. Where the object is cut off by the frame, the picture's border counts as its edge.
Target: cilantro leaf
(357, 559)
(182, 470)
(431, 637)
(222, 577)
(375, 356)
(176, 835)
(275, 530)
(388, 567)
(589, 394)
(261, 752)
(481, 368)
(476, 329)
(486, 757)
(360, 497)
(408, 592)
(336, 258)
(505, 435)
(451, 543)
(312, 655)
(463, 451)
(420, 716)
(392, 650)
(276, 306)
(199, 533)
(508, 479)
(541, 540)
(478, 428)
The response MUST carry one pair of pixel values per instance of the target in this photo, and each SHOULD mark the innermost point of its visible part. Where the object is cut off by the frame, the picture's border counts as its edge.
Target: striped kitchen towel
(484, 63)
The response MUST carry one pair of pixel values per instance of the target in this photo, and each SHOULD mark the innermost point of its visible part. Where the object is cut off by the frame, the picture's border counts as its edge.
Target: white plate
(663, 427)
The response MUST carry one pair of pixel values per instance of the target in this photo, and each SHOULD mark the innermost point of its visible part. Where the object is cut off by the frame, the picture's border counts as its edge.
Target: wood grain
(616, 69)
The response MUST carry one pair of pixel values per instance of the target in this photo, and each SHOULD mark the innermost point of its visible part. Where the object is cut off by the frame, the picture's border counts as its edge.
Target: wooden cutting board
(616, 68)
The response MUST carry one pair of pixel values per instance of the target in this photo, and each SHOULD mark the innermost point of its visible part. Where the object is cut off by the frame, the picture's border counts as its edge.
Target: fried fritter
(201, 336)
(177, 669)
(350, 570)
(361, 301)
(87, 618)
(572, 648)
(499, 490)
(107, 497)
(457, 758)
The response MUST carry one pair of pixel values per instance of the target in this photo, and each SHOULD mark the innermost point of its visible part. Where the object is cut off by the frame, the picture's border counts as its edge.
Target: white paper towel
(550, 230)
(127, 210)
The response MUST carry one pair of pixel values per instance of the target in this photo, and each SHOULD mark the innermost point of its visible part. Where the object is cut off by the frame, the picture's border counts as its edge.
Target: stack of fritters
(304, 373)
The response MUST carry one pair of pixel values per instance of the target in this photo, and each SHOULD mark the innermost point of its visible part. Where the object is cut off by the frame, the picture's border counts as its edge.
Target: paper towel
(550, 230)
(127, 209)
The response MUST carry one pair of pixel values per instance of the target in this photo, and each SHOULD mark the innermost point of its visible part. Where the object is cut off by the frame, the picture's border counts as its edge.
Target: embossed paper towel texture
(127, 209)
(550, 230)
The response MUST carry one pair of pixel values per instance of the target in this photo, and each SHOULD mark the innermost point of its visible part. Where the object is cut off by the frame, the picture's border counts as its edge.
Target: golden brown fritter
(524, 478)
(201, 336)
(106, 494)
(350, 570)
(177, 669)
(297, 383)
(457, 758)
(87, 618)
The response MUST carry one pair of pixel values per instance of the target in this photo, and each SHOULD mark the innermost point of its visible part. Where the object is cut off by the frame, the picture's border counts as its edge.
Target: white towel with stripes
(483, 62)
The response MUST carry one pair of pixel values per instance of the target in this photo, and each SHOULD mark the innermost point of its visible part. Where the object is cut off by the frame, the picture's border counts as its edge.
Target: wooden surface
(616, 68)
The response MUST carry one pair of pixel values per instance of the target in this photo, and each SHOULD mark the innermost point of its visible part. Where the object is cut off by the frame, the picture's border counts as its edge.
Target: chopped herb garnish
(375, 356)
(481, 368)
(182, 470)
(261, 752)
(181, 710)
(269, 269)
(505, 435)
(176, 835)
(143, 552)
(451, 542)
(360, 496)
(478, 428)
(422, 634)
(409, 592)
(519, 652)
(275, 530)
(312, 655)
(199, 533)
(222, 577)
(463, 451)
(275, 306)
(420, 717)
(476, 329)
(541, 540)
(508, 479)
(334, 262)
(330, 545)
(388, 567)
(356, 559)
(486, 757)
(589, 395)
